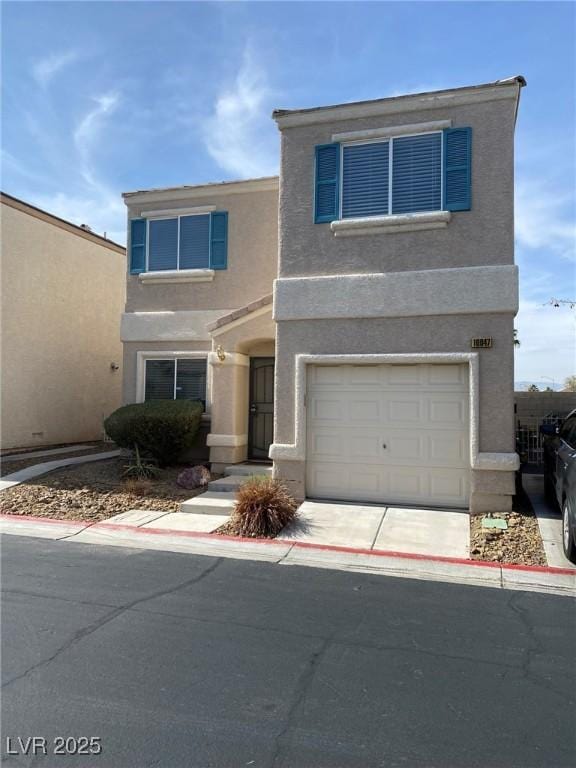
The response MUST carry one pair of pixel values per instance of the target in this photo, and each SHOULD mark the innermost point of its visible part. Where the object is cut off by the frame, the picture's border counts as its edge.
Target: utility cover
(494, 522)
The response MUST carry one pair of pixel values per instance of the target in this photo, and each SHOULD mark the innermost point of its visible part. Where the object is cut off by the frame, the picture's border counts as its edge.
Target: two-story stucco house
(352, 320)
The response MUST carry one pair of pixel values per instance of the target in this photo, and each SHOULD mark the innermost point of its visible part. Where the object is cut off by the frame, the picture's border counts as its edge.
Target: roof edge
(241, 312)
(261, 184)
(40, 213)
(507, 87)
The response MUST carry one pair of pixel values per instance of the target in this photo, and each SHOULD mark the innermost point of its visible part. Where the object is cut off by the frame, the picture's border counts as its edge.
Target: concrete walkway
(169, 521)
(45, 452)
(549, 522)
(444, 533)
(29, 473)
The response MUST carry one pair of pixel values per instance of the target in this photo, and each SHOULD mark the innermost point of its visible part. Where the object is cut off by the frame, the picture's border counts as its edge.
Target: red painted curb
(302, 545)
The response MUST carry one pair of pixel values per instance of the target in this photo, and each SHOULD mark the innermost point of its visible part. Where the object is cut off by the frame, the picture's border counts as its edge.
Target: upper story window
(404, 174)
(179, 243)
(399, 175)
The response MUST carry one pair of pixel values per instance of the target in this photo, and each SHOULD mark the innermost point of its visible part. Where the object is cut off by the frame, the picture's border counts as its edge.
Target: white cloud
(45, 69)
(239, 135)
(543, 217)
(547, 337)
(84, 198)
(88, 130)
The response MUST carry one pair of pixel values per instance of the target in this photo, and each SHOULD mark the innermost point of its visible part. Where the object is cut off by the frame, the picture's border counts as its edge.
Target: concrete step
(229, 483)
(210, 503)
(249, 470)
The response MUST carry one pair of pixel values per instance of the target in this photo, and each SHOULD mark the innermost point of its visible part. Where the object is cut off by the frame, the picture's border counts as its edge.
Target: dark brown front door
(261, 420)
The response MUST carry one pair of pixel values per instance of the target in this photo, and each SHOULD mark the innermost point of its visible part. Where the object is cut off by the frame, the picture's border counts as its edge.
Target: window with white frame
(175, 379)
(393, 176)
(181, 242)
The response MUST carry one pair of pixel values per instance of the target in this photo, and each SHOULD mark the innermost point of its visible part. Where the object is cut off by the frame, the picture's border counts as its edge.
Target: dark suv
(560, 477)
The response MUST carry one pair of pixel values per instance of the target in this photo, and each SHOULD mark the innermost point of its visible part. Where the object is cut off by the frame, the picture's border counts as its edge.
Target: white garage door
(388, 433)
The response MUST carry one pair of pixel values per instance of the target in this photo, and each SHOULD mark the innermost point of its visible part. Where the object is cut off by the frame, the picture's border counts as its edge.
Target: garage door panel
(423, 449)
(364, 448)
(328, 410)
(447, 411)
(367, 410)
(448, 448)
(419, 412)
(404, 374)
(408, 409)
(395, 485)
(363, 375)
(326, 374)
(449, 484)
(326, 479)
(402, 448)
(406, 484)
(447, 375)
(326, 446)
(330, 479)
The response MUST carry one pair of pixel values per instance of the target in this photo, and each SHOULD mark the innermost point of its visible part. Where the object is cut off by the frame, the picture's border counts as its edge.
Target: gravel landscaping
(520, 543)
(92, 492)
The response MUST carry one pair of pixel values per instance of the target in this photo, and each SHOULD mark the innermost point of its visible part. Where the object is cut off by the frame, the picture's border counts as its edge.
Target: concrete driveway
(394, 529)
(549, 522)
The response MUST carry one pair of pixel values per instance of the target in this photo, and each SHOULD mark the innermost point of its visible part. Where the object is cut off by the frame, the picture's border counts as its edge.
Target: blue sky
(101, 98)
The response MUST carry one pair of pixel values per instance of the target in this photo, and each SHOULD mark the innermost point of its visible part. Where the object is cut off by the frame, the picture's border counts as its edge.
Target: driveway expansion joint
(379, 528)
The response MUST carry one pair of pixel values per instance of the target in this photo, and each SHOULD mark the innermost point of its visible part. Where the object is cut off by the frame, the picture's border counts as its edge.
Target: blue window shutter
(457, 169)
(417, 173)
(327, 183)
(163, 245)
(365, 179)
(195, 242)
(137, 246)
(219, 240)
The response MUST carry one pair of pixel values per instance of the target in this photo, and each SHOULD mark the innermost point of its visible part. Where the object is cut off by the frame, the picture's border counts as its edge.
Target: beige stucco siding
(252, 256)
(62, 296)
(482, 236)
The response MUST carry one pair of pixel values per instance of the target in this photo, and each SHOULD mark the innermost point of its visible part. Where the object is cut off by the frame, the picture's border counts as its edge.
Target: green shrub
(163, 428)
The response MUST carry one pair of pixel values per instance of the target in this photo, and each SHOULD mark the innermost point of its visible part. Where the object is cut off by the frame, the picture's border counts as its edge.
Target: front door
(261, 420)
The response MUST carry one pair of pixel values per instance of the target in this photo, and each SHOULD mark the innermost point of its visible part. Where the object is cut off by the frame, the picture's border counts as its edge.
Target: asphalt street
(169, 660)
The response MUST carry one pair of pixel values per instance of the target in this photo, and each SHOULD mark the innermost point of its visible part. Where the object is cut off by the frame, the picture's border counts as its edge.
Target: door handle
(253, 408)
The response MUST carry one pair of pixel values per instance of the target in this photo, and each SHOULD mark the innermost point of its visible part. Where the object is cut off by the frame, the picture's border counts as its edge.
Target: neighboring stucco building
(63, 290)
(382, 370)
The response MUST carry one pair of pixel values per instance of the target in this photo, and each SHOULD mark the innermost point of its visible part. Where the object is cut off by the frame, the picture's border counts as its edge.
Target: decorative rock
(193, 477)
